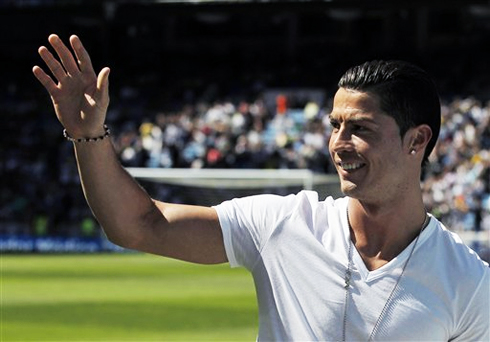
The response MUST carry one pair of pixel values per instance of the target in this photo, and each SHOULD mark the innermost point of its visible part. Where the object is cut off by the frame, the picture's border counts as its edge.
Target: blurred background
(232, 85)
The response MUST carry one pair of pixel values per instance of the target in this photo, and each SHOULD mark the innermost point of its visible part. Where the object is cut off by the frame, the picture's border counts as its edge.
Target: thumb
(102, 93)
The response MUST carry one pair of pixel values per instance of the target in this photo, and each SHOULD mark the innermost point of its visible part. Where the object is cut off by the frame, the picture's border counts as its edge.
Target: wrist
(105, 134)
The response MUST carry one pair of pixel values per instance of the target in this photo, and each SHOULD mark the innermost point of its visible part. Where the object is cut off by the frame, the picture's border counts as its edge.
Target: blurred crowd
(224, 134)
(41, 193)
(457, 182)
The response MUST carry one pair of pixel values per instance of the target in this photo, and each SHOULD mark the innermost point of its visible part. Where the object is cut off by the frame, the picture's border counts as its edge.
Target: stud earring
(413, 151)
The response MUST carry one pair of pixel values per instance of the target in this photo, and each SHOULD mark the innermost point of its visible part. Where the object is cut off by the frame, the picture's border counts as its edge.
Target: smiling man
(373, 265)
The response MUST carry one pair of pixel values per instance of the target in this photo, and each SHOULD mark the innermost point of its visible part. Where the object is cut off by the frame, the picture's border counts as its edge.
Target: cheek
(330, 149)
(364, 147)
(392, 159)
(331, 146)
(386, 153)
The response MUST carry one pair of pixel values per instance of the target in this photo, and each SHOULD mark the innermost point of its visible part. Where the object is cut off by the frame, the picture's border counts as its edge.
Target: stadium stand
(207, 97)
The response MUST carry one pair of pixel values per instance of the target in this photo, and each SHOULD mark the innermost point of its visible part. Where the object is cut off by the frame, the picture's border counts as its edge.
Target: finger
(52, 63)
(64, 54)
(102, 95)
(44, 79)
(84, 61)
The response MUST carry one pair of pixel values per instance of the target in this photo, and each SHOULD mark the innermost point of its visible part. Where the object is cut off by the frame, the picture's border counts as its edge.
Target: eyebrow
(354, 119)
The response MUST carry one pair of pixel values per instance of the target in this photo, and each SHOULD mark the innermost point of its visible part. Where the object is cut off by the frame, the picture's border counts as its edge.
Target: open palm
(80, 98)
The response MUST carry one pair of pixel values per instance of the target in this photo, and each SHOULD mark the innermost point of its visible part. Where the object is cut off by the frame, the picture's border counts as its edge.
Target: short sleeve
(476, 318)
(247, 223)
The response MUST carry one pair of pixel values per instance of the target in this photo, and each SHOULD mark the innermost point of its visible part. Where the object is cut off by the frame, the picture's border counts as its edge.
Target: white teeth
(350, 166)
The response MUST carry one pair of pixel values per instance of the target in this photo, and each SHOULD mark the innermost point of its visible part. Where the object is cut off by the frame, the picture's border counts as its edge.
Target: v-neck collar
(396, 263)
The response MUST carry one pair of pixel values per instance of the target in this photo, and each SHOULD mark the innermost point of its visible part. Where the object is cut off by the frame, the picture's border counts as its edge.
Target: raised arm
(129, 217)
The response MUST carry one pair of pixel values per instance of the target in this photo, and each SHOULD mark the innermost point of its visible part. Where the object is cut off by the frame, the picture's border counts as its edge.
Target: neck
(380, 233)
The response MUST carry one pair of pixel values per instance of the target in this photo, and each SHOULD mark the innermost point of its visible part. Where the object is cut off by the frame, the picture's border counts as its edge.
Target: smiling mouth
(350, 166)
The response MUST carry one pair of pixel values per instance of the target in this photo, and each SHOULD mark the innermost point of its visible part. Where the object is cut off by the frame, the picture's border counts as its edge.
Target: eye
(335, 124)
(358, 128)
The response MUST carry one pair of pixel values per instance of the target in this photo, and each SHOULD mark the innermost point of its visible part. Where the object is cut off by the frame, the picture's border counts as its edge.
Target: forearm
(116, 199)
(127, 214)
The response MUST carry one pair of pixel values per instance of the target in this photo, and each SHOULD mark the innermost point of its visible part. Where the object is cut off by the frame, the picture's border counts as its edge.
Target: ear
(417, 138)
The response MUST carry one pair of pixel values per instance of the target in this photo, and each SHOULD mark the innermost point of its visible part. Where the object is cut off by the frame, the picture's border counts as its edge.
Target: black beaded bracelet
(106, 134)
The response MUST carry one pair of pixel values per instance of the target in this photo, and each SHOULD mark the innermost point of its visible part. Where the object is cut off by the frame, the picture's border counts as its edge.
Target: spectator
(231, 134)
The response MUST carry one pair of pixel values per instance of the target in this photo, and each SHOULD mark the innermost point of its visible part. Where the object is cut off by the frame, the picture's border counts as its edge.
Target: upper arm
(185, 232)
(474, 320)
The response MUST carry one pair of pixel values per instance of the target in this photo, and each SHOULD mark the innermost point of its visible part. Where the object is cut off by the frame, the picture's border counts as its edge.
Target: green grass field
(123, 297)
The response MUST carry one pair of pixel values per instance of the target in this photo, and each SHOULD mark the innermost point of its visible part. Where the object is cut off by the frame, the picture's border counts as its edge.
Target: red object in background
(282, 104)
(213, 156)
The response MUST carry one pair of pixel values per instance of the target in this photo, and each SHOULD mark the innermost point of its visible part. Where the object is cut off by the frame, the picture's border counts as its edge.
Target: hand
(80, 98)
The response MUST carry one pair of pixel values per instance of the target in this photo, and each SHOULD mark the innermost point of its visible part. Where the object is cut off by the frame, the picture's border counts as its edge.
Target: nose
(340, 140)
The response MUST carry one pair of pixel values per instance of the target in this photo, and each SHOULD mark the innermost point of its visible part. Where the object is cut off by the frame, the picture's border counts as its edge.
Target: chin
(354, 190)
(348, 189)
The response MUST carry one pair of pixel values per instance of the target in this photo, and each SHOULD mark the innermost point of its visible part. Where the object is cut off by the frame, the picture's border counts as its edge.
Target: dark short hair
(406, 93)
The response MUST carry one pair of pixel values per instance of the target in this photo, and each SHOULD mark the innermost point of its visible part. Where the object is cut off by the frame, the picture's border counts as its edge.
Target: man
(371, 266)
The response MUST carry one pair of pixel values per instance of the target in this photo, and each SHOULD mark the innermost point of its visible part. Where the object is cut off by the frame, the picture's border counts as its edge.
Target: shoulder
(453, 255)
(302, 199)
(458, 280)
(269, 209)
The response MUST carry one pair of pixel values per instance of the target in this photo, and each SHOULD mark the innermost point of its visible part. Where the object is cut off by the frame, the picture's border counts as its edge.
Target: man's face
(366, 148)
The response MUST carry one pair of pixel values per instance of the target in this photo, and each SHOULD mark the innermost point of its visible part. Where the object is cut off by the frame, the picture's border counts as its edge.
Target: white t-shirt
(296, 249)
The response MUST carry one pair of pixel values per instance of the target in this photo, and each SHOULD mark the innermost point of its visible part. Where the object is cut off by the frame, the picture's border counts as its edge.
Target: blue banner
(28, 244)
